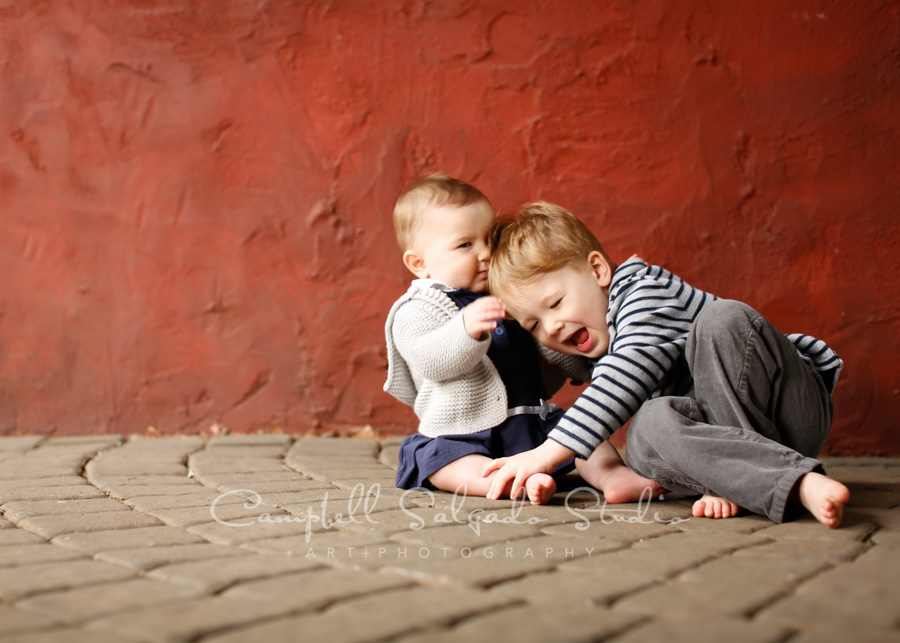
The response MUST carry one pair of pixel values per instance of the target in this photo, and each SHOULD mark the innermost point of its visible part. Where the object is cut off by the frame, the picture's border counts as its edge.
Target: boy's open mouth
(580, 338)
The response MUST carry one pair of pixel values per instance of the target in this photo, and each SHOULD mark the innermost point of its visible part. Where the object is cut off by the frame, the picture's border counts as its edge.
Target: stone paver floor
(272, 538)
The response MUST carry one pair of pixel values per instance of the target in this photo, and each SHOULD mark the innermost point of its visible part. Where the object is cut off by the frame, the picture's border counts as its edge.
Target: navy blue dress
(515, 356)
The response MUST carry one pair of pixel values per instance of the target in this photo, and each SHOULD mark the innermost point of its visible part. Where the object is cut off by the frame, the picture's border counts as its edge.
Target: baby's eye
(467, 244)
(556, 303)
(534, 327)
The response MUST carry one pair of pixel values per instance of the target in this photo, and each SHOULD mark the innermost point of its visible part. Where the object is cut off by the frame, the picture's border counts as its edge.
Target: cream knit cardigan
(436, 367)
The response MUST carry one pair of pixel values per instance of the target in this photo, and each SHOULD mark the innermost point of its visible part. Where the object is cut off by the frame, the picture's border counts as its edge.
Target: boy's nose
(558, 327)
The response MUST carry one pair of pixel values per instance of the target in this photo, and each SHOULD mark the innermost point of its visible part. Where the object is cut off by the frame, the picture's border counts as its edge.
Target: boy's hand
(481, 316)
(518, 468)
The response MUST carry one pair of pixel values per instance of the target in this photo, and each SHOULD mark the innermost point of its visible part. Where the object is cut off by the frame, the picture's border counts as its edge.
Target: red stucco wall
(196, 196)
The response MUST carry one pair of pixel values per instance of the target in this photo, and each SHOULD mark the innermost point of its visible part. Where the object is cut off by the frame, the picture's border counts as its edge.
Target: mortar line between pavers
(183, 460)
(556, 569)
(309, 611)
(207, 447)
(375, 459)
(323, 609)
(63, 588)
(272, 507)
(256, 579)
(123, 444)
(81, 622)
(791, 591)
(868, 545)
(461, 621)
(282, 458)
(791, 634)
(669, 578)
(454, 623)
(662, 580)
(37, 445)
(80, 472)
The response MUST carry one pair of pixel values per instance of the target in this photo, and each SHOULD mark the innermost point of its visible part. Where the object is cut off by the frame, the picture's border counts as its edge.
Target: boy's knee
(654, 423)
(724, 315)
(722, 319)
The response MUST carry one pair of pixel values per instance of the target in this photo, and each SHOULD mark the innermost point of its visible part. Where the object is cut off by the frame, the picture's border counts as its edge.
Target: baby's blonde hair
(541, 238)
(434, 190)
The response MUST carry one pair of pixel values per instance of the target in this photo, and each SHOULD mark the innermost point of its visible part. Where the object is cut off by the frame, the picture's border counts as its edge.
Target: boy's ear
(415, 264)
(600, 267)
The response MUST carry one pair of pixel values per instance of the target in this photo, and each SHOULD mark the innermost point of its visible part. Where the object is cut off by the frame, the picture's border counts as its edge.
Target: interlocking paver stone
(20, 443)
(188, 619)
(558, 589)
(86, 603)
(52, 526)
(143, 558)
(98, 541)
(17, 621)
(41, 577)
(861, 593)
(525, 624)
(842, 634)
(711, 628)
(350, 563)
(62, 492)
(16, 555)
(202, 498)
(16, 511)
(314, 589)
(421, 607)
(213, 575)
(251, 440)
(11, 537)
(726, 586)
(323, 546)
(240, 531)
(64, 479)
(71, 635)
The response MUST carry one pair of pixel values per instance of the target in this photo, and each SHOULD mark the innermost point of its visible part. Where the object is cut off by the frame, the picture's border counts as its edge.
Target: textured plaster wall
(195, 196)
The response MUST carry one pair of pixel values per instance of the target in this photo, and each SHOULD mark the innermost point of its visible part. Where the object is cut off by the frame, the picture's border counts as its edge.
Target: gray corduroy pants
(751, 426)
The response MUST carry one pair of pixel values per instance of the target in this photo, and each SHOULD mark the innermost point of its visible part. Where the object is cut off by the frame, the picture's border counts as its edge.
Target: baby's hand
(481, 316)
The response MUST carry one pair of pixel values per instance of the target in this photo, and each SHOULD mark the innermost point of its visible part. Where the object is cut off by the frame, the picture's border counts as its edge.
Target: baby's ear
(414, 263)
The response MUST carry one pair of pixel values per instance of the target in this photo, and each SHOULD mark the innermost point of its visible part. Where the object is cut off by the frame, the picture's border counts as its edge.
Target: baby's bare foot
(714, 507)
(824, 498)
(540, 488)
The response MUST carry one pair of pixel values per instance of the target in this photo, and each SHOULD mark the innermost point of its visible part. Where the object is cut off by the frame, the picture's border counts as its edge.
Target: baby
(478, 384)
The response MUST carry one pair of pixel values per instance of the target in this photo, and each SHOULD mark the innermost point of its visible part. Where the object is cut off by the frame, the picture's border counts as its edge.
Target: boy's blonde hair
(543, 237)
(434, 190)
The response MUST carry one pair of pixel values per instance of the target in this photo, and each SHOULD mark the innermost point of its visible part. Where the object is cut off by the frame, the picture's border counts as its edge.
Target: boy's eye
(534, 327)
(556, 303)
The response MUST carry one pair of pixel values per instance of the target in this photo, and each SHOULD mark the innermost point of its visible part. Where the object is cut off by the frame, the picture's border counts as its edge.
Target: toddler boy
(724, 404)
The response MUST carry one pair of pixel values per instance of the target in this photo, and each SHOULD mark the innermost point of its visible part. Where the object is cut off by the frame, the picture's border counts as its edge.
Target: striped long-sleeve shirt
(649, 317)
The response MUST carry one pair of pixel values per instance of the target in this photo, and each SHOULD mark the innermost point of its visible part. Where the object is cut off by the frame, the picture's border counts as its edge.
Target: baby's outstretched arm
(481, 316)
(518, 468)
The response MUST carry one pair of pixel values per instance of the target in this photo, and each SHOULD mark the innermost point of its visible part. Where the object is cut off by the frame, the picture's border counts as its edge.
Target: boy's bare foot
(824, 498)
(605, 471)
(540, 488)
(622, 484)
(714, 507)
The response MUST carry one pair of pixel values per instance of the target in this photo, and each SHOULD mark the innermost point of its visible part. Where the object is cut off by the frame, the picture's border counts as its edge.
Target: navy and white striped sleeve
(650, 316)
(820, 356)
